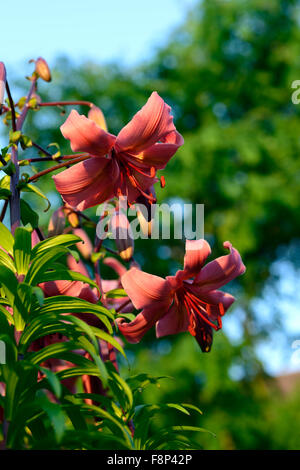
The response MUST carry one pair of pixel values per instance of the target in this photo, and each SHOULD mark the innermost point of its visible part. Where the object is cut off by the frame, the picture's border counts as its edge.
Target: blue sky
(102, 30)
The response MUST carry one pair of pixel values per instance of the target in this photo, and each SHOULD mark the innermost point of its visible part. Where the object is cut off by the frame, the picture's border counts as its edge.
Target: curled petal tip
(96, 115)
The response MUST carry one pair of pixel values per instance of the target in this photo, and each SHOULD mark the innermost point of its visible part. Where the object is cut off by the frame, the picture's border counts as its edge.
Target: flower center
(199, 311)
(128, 170)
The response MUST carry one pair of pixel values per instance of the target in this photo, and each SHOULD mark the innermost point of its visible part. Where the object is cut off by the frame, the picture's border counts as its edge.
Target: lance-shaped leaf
(22, 249)
(42, 263)
(7, 261)
(46, 324)
(9, 283)
(63, 304)
(51, 351)
(53, 242)
(6, 239)
(95, 353)
(59, 274)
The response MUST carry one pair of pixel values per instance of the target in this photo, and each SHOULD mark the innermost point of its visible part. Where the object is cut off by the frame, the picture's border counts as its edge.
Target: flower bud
(122, 233)
(57, 223)
(85, 247)
(96, 115)
(42, 69)
(2, 82)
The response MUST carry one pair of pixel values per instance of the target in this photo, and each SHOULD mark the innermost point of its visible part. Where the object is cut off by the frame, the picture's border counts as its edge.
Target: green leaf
(7, 261)
(53, 381)
(4, 193)
(9, 168)
(9, 283)
(53, 242)
(171, 432)
(41, 325)
(109, 339)
(55, 414)
(116, 293)
(42, 263)
(5, 182)
(51, 351)
(28, 187)
(22, 249)
(62, 304)
(28, 215)
(115, 425)
(7, 240)
(128, 316)
(67, 275)
(95, 354)
(7, 315)
(122, 392)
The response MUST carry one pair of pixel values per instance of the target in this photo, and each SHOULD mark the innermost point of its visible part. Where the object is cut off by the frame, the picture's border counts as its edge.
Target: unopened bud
(85, 247)
(57, 223)
(42, 69)
(2, 82)
(96, 115)
(122, 234)
(72, 217)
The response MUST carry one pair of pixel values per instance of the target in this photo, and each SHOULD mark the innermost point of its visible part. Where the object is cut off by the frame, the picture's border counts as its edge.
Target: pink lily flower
(178, 303)
(125, 164)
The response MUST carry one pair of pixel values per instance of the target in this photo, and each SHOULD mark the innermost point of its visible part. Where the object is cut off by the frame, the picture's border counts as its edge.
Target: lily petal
(87, 183)
(135, 330)
(196, 252)
(86, 136)
(159, 154)
(150, 125)
(222, 270)
(213, 299)
(52, 288)
(85, 247)
(146, 290)
(173, 322)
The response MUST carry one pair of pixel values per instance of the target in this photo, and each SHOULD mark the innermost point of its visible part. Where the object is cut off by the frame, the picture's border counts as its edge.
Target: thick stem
(15, 211)
(23, 115)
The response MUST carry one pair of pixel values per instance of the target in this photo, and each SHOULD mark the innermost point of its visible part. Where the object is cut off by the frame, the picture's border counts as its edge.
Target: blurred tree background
(227, 74)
